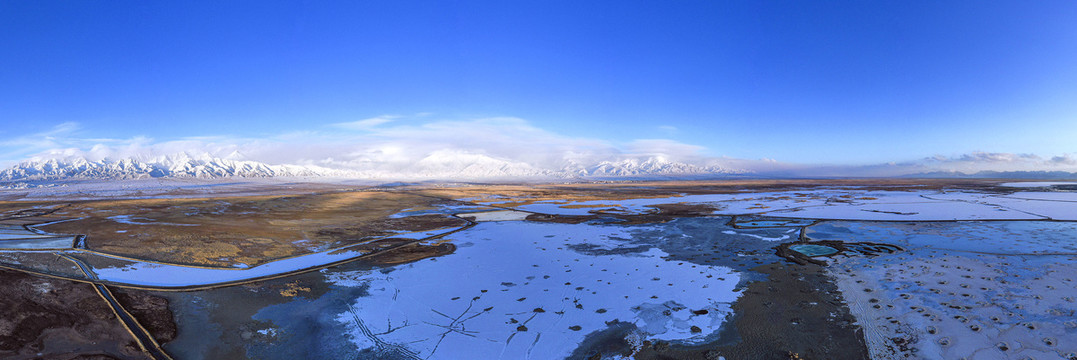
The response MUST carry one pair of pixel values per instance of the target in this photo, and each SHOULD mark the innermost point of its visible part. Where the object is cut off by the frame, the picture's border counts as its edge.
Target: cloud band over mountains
(390, 147)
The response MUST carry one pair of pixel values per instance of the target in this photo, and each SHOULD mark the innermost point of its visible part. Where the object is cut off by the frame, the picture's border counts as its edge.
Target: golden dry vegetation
(517, 195)
(242, 230)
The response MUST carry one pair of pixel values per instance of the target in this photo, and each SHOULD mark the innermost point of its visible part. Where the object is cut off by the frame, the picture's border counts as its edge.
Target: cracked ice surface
(516, 290)
(980, 290)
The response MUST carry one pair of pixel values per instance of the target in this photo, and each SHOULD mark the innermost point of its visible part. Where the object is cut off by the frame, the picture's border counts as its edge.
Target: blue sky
(812, 82)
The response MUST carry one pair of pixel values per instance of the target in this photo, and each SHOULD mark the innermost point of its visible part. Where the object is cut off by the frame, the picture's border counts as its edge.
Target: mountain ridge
(438, 165)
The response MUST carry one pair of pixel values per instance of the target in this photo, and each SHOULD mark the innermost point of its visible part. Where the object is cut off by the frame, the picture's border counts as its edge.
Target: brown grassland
(246, 230)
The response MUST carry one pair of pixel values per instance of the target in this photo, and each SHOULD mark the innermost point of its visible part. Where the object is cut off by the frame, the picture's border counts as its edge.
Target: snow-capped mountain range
(437, 166)
(651, 166)
(169, 166)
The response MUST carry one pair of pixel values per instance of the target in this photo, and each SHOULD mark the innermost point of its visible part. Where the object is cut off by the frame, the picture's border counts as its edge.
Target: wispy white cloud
(63, 135)
(999, 161)
(44, 139)
(365, 124)
(668, 130)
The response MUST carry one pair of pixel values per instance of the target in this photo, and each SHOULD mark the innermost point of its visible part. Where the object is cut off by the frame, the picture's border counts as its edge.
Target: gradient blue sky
(819, 82)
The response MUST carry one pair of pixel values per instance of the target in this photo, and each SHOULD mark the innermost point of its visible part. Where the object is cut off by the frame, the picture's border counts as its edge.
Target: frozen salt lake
(848, 205)
(516, 290)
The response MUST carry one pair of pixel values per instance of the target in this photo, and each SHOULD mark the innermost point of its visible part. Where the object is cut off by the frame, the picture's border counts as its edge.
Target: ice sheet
(54, 242)
(985, 237)
(951, 305)
(1051, 196)
(161, 275)
(549, 289)
(1032, 184)
(990, 289)
(8, 235)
